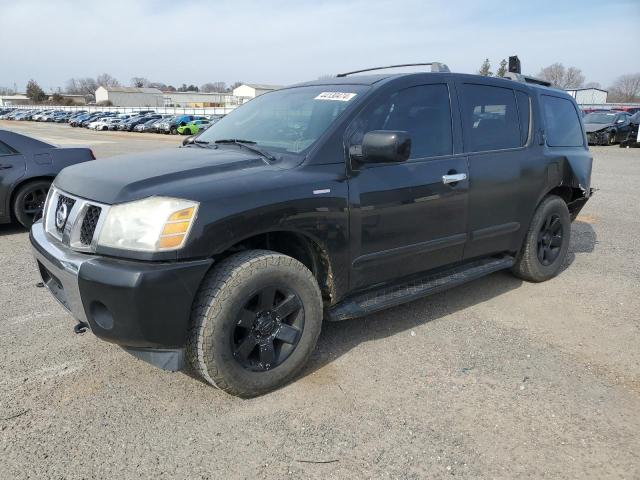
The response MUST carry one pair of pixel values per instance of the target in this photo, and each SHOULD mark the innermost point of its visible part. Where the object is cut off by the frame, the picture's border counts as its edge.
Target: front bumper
(142, 306)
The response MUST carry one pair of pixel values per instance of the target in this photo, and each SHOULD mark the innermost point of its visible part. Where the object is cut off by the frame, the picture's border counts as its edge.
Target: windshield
(599, 118)
(288, 120)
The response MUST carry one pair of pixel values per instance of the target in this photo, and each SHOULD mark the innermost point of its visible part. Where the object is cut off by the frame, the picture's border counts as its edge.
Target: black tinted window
(6, 149)
(490, 118)
(524, 111)
(562, 122)
(423, 112)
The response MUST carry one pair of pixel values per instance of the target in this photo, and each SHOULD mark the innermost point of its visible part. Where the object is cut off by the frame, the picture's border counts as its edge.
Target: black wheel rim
(33, 202)
(550, 238)
(268, 328)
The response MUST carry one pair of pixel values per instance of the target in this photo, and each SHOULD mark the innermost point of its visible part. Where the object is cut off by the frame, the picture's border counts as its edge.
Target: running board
(375, 300)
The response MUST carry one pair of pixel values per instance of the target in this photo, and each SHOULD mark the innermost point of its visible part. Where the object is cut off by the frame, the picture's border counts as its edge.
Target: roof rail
(518, 77)
(435, 67)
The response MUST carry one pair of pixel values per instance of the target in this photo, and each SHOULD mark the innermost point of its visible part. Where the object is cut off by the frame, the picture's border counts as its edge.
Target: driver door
(406, 217)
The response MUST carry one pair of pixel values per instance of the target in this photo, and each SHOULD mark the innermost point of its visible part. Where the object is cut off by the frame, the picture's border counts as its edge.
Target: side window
(490, 118)
(562, 122)
(524, 111)
(424, 112)
(6, 149)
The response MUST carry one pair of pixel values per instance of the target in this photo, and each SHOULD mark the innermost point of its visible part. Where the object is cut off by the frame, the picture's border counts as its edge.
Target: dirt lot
(495, 379)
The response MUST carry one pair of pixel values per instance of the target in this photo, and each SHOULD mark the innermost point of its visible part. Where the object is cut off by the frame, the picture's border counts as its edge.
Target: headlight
(150, 225)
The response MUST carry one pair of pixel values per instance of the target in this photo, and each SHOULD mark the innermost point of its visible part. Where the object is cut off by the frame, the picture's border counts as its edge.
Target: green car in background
(193, 127)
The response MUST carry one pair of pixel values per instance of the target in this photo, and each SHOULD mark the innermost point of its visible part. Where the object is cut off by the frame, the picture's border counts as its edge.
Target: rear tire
(254, 323)
(28, 202)
(546, 243)
(611, 138)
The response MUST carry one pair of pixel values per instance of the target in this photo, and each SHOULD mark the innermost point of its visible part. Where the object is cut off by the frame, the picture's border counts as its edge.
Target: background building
(130, 96)
(198, 99)
(252, 90)
(589, 96)
(17, 99)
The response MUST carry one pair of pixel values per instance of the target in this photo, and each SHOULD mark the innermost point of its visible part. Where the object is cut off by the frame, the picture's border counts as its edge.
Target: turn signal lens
(177, 227)
(186, 214)
(170, 242)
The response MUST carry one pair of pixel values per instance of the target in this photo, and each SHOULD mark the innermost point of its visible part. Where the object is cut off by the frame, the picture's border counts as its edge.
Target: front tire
(28, 202)
(547, 242)
(612, 138)
(254, 323)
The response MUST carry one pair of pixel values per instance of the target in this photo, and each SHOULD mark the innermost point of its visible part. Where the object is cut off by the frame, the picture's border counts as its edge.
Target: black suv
(333, 198)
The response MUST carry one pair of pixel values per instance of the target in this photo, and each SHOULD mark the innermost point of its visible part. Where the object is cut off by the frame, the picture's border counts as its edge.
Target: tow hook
(81, 327)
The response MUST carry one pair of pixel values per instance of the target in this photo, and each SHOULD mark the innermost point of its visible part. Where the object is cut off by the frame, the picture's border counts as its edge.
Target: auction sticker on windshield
(338, 96)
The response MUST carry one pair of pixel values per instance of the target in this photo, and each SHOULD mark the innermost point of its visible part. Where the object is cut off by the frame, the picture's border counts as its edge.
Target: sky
(287, 41)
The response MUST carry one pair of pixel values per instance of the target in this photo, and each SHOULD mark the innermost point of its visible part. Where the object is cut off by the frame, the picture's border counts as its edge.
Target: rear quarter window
(490, 118)
(562, 122)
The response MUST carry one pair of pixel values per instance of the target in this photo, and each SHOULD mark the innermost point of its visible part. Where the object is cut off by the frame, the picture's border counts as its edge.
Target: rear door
(496, 124)
(12, 168)
(403, 218)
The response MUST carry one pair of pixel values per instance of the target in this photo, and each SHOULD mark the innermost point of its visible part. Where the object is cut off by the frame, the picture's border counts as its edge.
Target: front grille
(89, 224)
(69, 202)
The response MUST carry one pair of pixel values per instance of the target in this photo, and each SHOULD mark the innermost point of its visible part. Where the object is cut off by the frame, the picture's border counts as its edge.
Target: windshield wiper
(249, 145)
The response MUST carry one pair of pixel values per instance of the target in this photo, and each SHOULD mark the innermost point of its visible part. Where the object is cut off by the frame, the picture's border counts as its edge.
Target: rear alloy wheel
(547, 242)
(255, 322)
(28, 202)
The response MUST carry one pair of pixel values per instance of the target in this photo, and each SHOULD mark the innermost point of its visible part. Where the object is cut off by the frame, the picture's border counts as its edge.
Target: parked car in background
(107, 123)
(149, 125)
(27, 168)
(606, 128)
(633, 136)
(179, 121)
(133, 122)
(194, 127)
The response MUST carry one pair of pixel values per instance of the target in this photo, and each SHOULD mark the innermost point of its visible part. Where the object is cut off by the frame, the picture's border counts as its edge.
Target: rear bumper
(138, 305)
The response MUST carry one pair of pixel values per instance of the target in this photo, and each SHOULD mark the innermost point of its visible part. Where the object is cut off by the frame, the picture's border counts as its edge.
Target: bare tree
(234, 85)
(216, 87)
(574, 78)
(593, 85)
(106, 80)
(7, 91)
(139, 82)
(81, 86)
(626, 88)
(561, 77)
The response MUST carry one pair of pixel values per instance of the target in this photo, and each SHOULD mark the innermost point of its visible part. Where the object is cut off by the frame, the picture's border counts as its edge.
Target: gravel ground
(495, 379)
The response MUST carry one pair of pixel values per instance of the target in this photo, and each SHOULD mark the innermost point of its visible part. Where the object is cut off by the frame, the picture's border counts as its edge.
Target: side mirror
(381, 146)
(188, 140)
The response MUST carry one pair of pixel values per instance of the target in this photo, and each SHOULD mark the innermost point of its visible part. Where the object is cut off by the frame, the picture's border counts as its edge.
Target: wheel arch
(307, 250)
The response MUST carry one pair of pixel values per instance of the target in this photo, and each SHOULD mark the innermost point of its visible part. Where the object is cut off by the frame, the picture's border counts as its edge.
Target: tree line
(625, 88)
(87, 86)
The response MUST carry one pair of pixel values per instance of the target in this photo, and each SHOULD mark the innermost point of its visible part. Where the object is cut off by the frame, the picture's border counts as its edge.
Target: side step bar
(389, 296)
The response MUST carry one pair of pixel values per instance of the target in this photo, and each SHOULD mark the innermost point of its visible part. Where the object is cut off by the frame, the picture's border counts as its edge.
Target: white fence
(97, 108)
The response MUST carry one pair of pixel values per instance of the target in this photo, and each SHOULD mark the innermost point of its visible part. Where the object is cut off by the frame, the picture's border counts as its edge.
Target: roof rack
(435, 67)
(518, 77)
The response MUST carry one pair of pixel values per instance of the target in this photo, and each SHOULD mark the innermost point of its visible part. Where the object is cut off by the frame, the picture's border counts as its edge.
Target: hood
(594, 127)
(161, 172)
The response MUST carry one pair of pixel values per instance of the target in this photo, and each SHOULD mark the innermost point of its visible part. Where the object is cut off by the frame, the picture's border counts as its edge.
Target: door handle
(5, 167)
(453, 178)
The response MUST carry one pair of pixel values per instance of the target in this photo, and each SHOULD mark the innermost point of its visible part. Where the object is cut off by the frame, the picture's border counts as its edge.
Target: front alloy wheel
(268, 329)
(255, 322)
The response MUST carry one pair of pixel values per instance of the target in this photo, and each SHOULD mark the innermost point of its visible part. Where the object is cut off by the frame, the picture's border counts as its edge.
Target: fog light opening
(101, 315)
